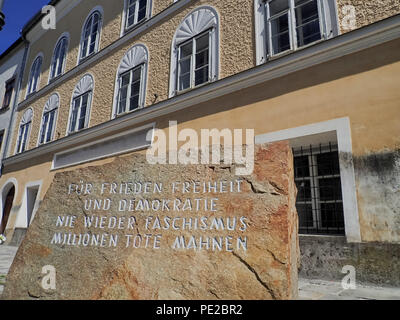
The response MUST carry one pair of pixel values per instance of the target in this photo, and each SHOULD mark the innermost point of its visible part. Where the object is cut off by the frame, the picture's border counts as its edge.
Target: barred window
(319, 200)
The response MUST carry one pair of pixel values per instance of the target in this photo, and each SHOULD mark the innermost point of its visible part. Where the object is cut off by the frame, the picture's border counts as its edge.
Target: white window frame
(51, 105)
(136, 56)
(97, 10)
(25, 126)
(35, 75)
(129, 92)
(196, 23)
(343, 132)
(329, 26)
(54, 58)
(125, 28)
(85, 85)
(193, 62)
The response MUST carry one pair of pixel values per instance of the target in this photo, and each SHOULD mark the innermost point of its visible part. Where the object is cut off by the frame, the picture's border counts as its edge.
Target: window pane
(184, 82)
(44, 126)
(131, 14)
(307, 22)
(74, 115)
(134, 103)
(186, 50)
(277, 6)
(50, 126)
(330, 189)
(136, 74)
(301, 167)
(328, 163)
(280, 34)
(25, 137)
(332, 217)
(303, 190)
(142, 10)
(305, 215)
(201, 76)
(184, 66)
(82, 115)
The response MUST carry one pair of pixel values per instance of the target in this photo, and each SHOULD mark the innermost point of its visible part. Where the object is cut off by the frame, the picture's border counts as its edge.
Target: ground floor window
(319, 200)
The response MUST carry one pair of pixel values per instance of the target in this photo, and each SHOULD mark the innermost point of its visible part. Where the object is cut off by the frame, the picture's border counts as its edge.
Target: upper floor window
(195, 51)
(24, 131)
(10, 84)
(135, 12)
(49, 119)
(131, 80)
(90, 35)
(59, 57)
(286, 25)
(34, 75)
(81, 103)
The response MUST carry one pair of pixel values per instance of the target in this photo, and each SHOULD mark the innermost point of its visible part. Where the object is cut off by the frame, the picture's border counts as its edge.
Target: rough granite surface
(265, 216)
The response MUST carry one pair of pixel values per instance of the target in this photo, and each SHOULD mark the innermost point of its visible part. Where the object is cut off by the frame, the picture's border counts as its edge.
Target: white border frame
(67, 35)
(143, 82)
(343, 131)
(100, 32)
(214, 68)
(99, 142)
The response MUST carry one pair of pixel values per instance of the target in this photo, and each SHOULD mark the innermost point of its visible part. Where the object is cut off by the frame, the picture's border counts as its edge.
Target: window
(131, 81)
(292, 24)
(136, 11)
(195, 51)
(49, 119)
(8, 93)
(58, 62)
(287, 25)
(24, 131)
(34, 75)
(81, 102)
(319, 200)
(90, 35)
(194, 62)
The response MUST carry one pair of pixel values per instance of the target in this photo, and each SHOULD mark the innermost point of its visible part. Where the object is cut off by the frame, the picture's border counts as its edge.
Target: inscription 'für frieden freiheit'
(101, 222)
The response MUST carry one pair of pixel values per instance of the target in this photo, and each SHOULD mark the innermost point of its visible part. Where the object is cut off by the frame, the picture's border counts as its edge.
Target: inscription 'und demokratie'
(186, 197)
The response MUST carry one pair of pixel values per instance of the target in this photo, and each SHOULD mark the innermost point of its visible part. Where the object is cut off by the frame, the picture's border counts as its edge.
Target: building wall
(355, 86)
(9, 68)
(368, 11)
(237, 27)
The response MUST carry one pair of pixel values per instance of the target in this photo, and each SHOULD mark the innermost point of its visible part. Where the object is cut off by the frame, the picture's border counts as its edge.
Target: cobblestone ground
(308, 289)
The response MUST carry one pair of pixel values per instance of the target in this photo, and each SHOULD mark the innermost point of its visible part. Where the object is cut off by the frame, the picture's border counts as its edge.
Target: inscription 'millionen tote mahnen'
(131, 230)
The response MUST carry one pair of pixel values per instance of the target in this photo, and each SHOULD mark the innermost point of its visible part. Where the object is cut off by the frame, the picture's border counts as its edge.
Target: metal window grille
(319, 200)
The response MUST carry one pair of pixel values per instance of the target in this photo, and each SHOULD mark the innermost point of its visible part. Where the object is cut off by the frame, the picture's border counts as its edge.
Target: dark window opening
(319, 200)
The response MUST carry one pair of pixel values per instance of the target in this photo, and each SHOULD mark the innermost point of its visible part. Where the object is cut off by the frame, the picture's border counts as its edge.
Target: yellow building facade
(338, 87)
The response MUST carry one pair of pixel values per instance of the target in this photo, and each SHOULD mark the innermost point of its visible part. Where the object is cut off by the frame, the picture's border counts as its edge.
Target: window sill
(288, 52)
(135, 26)
(179, 93)
(82, 60)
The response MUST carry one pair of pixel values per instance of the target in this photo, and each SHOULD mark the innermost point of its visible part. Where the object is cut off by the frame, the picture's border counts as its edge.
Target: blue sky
(18, 13)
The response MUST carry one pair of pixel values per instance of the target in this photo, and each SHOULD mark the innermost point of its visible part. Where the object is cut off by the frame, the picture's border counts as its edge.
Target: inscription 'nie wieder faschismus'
(154, 216)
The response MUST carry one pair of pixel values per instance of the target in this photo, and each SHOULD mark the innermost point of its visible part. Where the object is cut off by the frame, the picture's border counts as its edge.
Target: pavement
(308, 289)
